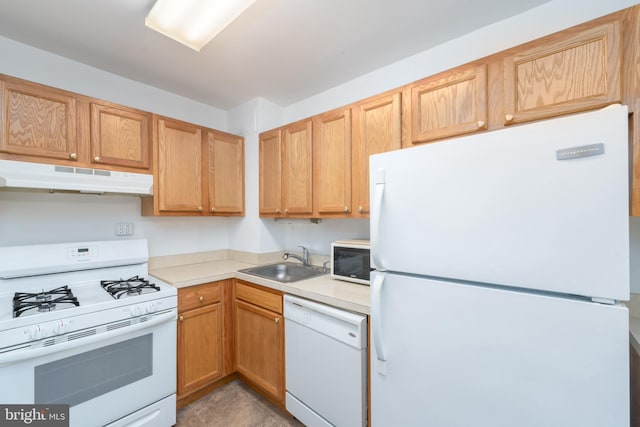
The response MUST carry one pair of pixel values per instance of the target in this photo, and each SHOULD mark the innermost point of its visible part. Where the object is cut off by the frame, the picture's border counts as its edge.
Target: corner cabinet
(286, 171)
(332, 163)
(451, 104)
(564, 73)
(377, 128)
(197, 171)
(259, 338)
(200, 336)
(38, 122)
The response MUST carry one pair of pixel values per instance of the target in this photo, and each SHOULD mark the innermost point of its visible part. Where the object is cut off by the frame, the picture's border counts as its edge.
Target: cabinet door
(38, 121)
(179, 167)
(563, 74)
(226, 173)
(260, 347)
(270, 173)
(377, 125)
(449, 105)
(332, 162)
(119, 136)
(297, 169)
(200, 355)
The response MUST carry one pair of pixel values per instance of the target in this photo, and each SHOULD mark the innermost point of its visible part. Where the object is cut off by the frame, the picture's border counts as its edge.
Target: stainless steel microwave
(350, 261)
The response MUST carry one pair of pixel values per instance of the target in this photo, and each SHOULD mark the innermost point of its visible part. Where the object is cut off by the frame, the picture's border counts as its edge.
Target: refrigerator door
(459, 355)
(540, 206)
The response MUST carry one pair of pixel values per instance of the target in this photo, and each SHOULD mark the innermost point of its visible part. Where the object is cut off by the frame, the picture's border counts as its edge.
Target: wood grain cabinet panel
(448, 105)
(179, 167)
(38, 121)
(270, 173)
(564, 73)
(259, 352)
(297, 168)
(225, 168)
(120, 136)
(377, 128)
(332, 163)
(200, 355)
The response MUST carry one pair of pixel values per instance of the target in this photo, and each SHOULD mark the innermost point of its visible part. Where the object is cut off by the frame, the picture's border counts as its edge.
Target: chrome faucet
(304, 259)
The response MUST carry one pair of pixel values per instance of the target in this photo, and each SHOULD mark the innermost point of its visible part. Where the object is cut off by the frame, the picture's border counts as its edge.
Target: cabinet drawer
(197, 296)
(270, 300)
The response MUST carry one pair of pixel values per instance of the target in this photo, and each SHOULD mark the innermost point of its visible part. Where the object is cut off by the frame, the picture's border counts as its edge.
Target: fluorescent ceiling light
(194, 22)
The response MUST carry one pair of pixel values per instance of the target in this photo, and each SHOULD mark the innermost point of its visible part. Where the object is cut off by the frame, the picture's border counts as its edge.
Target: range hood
(26, 175)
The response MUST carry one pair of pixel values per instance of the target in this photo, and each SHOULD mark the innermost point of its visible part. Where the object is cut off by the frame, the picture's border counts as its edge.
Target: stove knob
(37, 332)
(61, 327)
(135, 310)
(151, 307)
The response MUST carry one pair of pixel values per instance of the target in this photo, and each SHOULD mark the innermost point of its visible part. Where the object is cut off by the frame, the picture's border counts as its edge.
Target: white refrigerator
(502, 259)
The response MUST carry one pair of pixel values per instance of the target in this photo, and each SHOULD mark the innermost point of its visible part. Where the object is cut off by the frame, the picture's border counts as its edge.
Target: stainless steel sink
(284, 272)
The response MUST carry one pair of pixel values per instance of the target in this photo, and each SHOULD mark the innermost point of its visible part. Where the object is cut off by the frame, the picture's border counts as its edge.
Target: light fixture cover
(194, 22)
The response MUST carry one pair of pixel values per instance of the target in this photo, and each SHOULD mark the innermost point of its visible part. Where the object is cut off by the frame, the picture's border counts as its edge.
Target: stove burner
(43, 301)
(132, 286)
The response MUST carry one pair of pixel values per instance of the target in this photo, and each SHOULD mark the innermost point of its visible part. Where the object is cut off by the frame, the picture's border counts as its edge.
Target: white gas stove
(90, 307)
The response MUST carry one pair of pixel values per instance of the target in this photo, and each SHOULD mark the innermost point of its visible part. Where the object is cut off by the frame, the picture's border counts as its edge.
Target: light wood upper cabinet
(179, 166)
(377, 128)
(270, 173)
(564, 73)
(225, 168)
(38, 121)
(119, 136)
(297, 168)
(451, 104)
(286, 172)
(332, 162)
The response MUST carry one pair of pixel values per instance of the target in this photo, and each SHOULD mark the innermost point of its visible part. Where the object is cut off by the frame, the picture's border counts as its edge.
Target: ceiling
(281, 50)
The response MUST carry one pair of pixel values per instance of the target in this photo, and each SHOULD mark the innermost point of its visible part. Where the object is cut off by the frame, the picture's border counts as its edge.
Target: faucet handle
(305, 251)
(324, 266)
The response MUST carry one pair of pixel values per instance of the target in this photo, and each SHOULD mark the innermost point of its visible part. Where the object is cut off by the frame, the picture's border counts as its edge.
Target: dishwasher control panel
(344, 326)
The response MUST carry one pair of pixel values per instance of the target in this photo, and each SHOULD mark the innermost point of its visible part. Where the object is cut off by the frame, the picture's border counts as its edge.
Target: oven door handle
(20, 355)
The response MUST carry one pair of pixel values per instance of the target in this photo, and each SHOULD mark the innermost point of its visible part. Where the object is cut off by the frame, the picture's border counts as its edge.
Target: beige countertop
(345, 295)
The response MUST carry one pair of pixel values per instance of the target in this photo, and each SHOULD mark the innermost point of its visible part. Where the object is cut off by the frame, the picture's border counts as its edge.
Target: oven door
(127, 373)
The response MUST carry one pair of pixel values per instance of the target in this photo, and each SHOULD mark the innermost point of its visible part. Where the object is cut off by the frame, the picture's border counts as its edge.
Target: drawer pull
(181, 318)
(277, 320)
(201, 299)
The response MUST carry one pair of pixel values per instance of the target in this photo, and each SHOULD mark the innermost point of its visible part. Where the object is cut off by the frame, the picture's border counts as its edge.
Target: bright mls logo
(34, 415)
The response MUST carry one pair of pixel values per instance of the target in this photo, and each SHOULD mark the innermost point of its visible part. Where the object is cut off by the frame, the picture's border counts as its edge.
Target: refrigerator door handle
(375, 217)
(376, 322)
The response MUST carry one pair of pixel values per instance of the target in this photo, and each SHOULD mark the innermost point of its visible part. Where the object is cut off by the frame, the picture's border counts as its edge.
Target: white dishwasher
(326, 364)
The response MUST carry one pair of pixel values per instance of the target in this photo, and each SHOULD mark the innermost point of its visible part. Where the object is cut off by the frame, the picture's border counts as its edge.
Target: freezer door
(511, 207)
(457, 355)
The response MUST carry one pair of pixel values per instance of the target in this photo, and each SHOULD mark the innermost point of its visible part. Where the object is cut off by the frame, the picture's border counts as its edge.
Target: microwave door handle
(21, 355)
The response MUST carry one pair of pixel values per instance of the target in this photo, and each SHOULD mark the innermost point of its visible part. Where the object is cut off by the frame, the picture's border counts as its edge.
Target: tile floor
(233, 405)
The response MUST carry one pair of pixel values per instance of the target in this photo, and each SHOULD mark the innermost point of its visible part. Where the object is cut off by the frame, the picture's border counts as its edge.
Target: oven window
(82, 377)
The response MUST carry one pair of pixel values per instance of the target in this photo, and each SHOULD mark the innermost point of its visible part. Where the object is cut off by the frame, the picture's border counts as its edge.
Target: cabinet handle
(96, 159)
(73, 156)
(200, 208)
(346, 209)
(286, 211)
(201, 299)
(212, 209)
(480, 123)
(277, 320)
(360, 209)
(277, 211)
(508, 118)
(181, 318)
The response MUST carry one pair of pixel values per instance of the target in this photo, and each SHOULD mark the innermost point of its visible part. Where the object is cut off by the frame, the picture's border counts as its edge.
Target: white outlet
(124, 229)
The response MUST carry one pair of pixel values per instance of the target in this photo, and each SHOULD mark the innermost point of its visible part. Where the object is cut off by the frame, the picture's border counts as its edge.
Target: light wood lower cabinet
(259, 338)
(201, 336)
